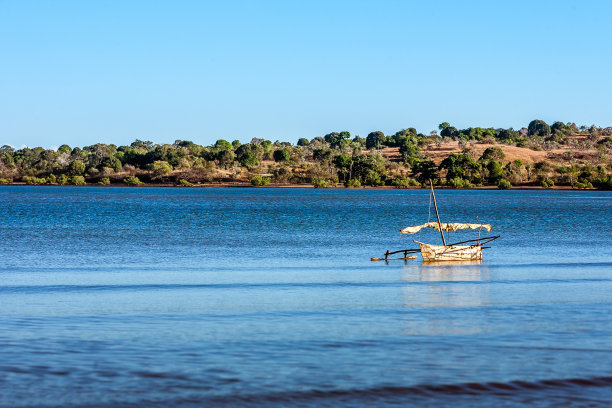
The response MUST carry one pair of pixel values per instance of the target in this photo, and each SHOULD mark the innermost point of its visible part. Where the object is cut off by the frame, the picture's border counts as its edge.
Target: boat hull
(435, 253)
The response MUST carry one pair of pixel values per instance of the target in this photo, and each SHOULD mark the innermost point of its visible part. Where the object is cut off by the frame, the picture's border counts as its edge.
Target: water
(267, 297)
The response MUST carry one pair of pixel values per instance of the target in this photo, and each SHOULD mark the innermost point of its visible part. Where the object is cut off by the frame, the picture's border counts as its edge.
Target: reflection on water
(447, 271)
(444, 286)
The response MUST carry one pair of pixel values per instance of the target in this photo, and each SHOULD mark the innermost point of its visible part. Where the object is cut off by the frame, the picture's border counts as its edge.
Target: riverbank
(572, 157)
(285, 185)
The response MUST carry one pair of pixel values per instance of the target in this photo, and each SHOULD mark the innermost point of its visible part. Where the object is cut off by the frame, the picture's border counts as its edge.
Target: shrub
(133, 181)
(183, 183)
(547, 183)
(6, 181)
(77, 180)
(504, 184)
(281, 155)
(320, 182)
(352, 183)
(160, 168)
(404, 182)
(372, 178)
(249, 160)
(456, 182)
(401, 182)
(260, 180)
(62, 179)
(77, 167)
(104, 181)
(33, 180)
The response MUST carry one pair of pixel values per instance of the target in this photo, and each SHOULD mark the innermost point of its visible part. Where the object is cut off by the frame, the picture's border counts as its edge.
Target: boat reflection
(443, 292)
(446, 271)
(449, 284)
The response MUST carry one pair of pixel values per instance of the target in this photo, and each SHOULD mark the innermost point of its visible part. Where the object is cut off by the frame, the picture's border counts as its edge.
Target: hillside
(473, 157)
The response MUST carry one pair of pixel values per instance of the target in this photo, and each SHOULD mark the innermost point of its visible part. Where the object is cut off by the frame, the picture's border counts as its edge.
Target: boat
(469, 250)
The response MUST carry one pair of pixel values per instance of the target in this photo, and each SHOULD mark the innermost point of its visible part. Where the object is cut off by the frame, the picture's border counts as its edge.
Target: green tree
(260, 180)
(504, 184)
(77, 180)
(495, 170)
(142, 145)
(322, 154)
(64, 149)
(538, 128)
(493, 153)
(160, 168)
(336, 139)
(282, 155)
(409, 151)
(359, 141)
(369, 169)
(375, 140)
(223, 144)
(111, 162)
(459, 165)
(255, 149)
(449, 131)
(249, 160)
(507, 134)
(425, 170)
(77, 168)
(133, 181)
(225, 157)
(303, 142)
(344, 164)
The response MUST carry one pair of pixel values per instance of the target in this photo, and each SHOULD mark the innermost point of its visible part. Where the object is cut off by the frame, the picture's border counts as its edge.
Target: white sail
(446, 226)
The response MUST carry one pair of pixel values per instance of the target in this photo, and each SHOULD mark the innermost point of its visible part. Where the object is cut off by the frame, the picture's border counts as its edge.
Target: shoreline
(307, 186)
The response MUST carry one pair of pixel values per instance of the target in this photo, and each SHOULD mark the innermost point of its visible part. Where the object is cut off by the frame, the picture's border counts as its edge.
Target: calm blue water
(267, 297)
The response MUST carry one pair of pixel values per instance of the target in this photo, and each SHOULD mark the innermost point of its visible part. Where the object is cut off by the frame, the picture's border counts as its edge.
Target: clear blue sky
(81, 72)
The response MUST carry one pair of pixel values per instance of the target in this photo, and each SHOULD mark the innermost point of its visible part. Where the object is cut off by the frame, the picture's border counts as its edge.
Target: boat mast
(437, 215)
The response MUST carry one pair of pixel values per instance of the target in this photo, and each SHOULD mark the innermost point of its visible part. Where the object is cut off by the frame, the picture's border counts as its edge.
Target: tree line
(403, 159)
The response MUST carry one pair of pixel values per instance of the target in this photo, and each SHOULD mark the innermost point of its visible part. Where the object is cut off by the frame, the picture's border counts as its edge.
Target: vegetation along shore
(540, 155)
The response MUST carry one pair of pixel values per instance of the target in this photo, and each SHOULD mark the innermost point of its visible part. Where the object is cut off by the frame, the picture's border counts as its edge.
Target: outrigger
(470, 250)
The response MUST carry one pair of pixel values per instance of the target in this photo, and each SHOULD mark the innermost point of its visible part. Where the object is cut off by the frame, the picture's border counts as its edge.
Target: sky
(85, 72)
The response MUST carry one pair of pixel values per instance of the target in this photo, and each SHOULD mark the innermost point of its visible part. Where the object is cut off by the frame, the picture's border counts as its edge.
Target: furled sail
(446, 226)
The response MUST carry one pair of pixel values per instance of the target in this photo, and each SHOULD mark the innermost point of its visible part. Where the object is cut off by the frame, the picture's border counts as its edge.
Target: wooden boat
(470, 250)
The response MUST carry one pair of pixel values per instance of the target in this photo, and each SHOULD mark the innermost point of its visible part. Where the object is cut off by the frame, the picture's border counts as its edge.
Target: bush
(62, 179)
(320, 182)
(77, 167)
(33, 180)
(160, 168)
(133, 181)
(6, 181)
(400, 182)
(260, 180)
(352, 183)
(77, 180)
(183, 183)
(504, 184)
(104, 181)
(372, 178)
(456, 182)
(404, 182)
(281, 155)
(547, 183)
